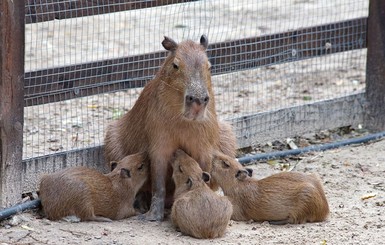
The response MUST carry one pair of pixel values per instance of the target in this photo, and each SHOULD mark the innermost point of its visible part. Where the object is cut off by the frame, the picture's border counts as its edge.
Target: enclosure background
(78, 123)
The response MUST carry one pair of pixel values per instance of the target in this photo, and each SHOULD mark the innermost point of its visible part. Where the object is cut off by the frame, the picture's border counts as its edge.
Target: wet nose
(243, 171)
(197, 99)
(250, 171)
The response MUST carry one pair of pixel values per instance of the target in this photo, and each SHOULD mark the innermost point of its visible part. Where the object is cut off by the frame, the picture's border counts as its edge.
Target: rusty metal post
(11, 100)
(375, 67)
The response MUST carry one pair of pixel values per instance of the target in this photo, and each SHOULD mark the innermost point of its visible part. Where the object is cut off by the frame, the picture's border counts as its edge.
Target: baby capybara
(287, 197)
(91, 195)
(197, 210)
(175, 110)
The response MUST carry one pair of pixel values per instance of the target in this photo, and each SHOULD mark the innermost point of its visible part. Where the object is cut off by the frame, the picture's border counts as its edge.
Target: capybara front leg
(158, 178)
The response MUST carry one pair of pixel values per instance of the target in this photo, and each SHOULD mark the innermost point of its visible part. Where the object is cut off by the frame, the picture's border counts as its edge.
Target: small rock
(52, 140)
(72, 219)
(18, 235)
(56, 148)
(46, 222)
(334, 166)
(15, 220)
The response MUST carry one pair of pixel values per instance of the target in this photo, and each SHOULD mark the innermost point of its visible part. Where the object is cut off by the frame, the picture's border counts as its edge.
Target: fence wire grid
(81, 74)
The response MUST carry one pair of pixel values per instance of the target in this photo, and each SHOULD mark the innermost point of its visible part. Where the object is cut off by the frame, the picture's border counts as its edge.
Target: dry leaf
(92, 106)
(367, 196)
(272, 162)
(27, 228)
(291, 143)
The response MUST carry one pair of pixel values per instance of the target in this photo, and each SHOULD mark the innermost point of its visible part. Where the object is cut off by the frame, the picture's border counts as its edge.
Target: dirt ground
(354, 183)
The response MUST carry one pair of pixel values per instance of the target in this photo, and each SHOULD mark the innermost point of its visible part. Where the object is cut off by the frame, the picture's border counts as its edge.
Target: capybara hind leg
(88, 214)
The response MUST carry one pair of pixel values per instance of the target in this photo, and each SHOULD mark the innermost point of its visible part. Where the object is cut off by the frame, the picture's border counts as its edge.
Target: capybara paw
(150, 216)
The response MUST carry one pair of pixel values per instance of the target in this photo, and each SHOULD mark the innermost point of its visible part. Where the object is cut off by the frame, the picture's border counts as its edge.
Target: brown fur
(197, 210)
(287, 197)
(175, 110)
(90, 195)
(228, 146)
(227, 139)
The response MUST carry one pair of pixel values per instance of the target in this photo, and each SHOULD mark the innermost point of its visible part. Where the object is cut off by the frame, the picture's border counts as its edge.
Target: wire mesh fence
(86, 62)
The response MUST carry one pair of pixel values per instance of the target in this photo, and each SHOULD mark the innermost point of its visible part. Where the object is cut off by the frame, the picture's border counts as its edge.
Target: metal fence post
(375, 67)
(11, 100)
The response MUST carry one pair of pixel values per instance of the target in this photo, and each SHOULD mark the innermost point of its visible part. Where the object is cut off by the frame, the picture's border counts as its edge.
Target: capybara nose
(240, 172)
(199, 100)
(250, 171)
(206, 100)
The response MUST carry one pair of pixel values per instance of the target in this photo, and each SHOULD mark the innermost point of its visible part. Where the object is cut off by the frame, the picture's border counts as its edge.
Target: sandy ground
(349, 174)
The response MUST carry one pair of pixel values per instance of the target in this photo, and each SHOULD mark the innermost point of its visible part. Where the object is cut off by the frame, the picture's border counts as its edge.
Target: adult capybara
(197, 210)
(91, 195)
(227, 139)
(287, 197)
(175, 110)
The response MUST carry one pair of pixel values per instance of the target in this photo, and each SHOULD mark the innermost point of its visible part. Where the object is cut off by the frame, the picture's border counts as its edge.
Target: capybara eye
(189, 182)
(176, 67)
(113, 165)
(141, 166)
(225, 164)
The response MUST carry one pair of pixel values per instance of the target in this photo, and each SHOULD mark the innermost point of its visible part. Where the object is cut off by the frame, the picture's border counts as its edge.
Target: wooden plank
(250, 130)
(375, 67)
(299, 120)
(46, 10)
(12, 100)
(34, 168)
(77, 81)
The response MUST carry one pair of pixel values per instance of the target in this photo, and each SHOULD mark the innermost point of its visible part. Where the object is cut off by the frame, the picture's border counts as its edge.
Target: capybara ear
(250, 171)
(204, 41)
(206, 177)
(242, 174)
(189, 182)
(125, 173)
(113, 165)
(169, 44)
